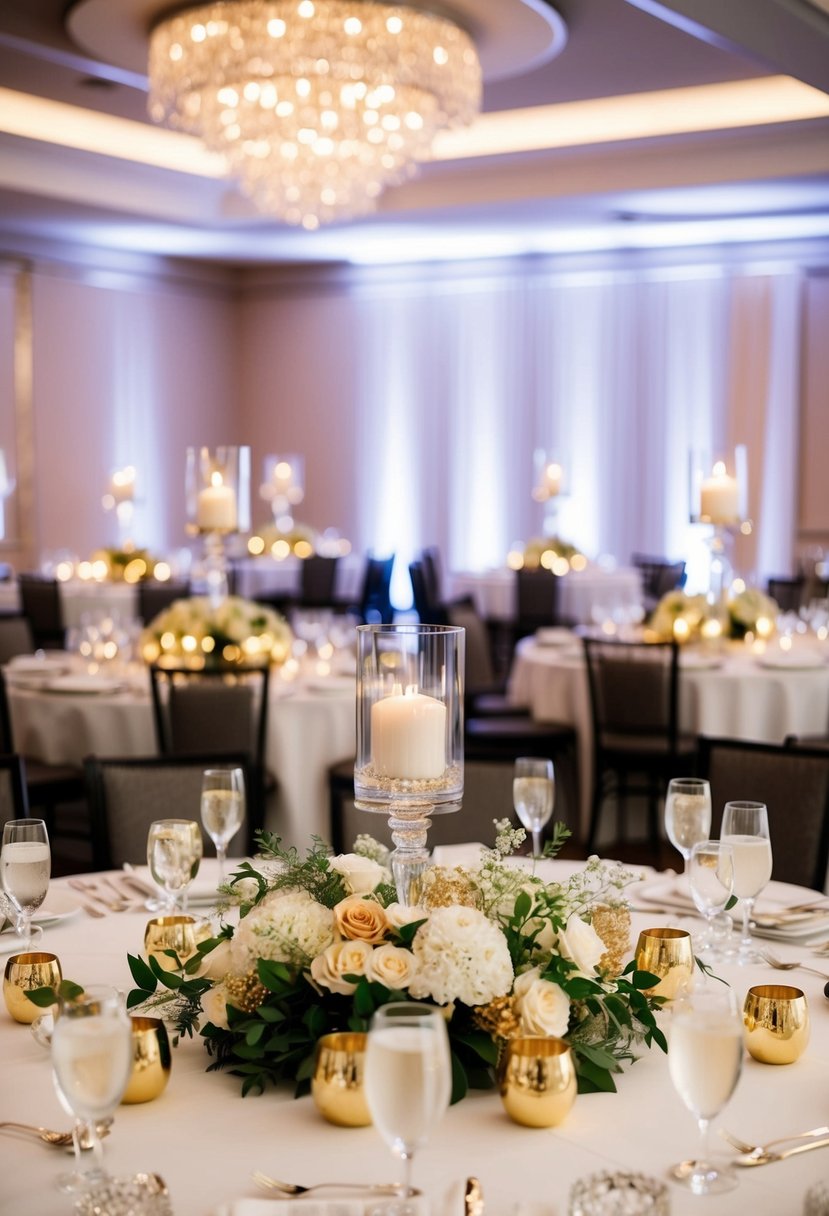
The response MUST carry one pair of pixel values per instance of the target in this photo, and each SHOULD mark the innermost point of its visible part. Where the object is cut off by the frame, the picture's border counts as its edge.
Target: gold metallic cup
(179, 933)
(24, 973)
(669, 954)
(537, 1081)
(151, 1060)
(337, 1083)
(776, 1021)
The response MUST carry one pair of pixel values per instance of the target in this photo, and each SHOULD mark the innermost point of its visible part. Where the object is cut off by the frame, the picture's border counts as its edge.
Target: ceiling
(694, 168)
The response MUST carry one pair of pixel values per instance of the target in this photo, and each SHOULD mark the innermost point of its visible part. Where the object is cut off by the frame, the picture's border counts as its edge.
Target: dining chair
(154, 597)
(537, 594)
(634, 708)
(42, 607)
(127, 794)
(374, 606)
(218, 711)
(317, 577)
(429, 611)
(787, 593)
(484, 694)
(793, 782)
(659, 576)
(13, 801)
(15, 637)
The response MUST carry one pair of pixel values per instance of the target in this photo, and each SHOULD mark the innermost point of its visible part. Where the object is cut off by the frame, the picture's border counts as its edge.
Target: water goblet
(222, 808)
(25, 866)
(745, 826)
(704, 1060)
(711, 874)
(408, 1082)
(533, 794)
(92, 1057)
(687, 814)
(174, 850)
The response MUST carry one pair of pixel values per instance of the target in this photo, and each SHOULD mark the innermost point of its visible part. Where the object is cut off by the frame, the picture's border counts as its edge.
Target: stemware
(91, 1066)
(222, 808)
(745, 826)
(408, 1081)
(687, 814)
(533, 793)
(704, 1060)
(711, 874)
(25, 866)
(174, 850)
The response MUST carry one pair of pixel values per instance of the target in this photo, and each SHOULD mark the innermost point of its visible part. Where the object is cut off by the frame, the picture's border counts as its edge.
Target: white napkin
(200, 893)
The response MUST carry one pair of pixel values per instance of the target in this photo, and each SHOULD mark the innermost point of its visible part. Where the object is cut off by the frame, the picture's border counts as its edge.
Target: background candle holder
(283, 487)
(718, 489)
(217, 487)
(549, 486)
(409, 762)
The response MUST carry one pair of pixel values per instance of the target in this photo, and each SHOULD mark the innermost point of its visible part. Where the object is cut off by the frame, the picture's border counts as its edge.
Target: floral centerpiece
(545, 550)
(747, 610)
(237, 631)
(129, 564)
(269, 540)
(321, 943)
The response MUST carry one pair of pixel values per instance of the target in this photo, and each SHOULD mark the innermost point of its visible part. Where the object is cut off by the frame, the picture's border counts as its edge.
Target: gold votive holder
(776, 1022)
(179, 933)
(537, 1081)
(669, 954)
(24, 973)
(151, 1060)
(337, 1082)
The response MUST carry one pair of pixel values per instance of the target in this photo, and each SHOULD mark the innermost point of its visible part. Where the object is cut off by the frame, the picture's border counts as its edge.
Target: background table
(738, 700)
(205, 1140)
(581, 592)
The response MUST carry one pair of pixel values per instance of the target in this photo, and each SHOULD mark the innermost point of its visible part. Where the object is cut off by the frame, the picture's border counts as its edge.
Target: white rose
(399, 915)
(392, 966)
(581, 943)
(342, 958)
(543, 1007)
(360, 874)
(214, 1006)
(216, 964)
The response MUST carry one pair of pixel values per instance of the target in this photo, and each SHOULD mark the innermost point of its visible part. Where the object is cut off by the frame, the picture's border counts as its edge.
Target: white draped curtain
(623, 372)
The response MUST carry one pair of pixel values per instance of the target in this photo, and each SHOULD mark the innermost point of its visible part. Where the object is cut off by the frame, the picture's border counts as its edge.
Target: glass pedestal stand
(215, 568)
(720, 571)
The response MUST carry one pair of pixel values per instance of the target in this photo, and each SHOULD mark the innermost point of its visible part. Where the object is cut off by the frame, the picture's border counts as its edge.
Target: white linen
(205, 1140)
(581, 592)
(737, 700)
(79, 598)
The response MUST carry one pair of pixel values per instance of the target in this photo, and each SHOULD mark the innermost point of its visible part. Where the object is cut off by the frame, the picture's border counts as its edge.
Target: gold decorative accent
(244, 992)
(440, 888)
(498, 1019)
(613, 926)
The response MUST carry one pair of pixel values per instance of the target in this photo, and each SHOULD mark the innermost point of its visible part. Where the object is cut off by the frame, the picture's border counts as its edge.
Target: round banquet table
(581, 592)
(732, 695)
(310, 726)
(205, 1140)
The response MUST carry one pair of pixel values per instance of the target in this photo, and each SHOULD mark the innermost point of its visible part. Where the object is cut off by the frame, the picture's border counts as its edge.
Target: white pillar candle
(122, 485)
(552, 480)
(216, 506)
(719, 498)
(408, 736)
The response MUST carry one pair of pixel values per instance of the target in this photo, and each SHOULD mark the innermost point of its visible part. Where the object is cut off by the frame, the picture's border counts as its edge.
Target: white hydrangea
(287, 927)
(461, 956)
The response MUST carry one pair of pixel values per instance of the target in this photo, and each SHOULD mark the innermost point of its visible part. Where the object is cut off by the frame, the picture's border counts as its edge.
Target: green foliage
(44, 998)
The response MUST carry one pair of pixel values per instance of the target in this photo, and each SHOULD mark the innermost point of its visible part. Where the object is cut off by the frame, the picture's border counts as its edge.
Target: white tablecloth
(311, 725)
(739, 700)
(581, 592)
(79, 598)
(205, 1140)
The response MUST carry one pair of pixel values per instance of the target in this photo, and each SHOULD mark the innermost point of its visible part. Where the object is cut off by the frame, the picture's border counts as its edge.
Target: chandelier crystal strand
(318, 105)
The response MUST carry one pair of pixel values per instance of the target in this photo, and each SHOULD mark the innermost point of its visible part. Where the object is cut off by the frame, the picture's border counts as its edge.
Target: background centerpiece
(217, 488)
(196, 631)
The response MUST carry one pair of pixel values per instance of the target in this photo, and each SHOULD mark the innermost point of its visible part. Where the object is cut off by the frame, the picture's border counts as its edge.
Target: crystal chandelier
(317, 105)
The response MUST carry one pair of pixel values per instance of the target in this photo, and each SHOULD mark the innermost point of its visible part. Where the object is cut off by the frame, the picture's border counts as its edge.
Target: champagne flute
(408, 1082)
(745, 826)
(687, 814)
(25, 866)
(704, 1060)
(711, 873)
(222, 808)
(533, 794)
(174, 850)
(91, 1066)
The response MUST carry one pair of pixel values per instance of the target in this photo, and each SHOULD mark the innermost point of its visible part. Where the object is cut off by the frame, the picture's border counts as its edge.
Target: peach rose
(361, 919)
(342, 958)
(391, 966)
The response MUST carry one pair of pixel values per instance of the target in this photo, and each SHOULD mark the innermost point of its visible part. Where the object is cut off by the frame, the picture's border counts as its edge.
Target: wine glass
(704, 1060)
(25, 866)
(745, 826)
(533, 793)
(408, 1082)
(174, 850)
(222, 808)
(711, 874)
(91, 1067)
(687, 814)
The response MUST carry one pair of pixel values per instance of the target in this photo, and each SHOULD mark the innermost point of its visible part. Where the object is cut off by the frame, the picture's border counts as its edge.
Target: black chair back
(793, 782)
(15, 637)
(429, 612)
(317, 579)
(41, 602)
(375, 598)
(154, 597)
(659, 576)
(536, 600)
(787, 593)
(14, 804)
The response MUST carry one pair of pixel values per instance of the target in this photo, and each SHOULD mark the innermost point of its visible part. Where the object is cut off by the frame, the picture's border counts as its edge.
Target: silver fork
(779, 965)
(760, 1150)
(294, 1188)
